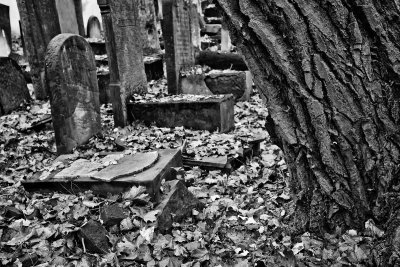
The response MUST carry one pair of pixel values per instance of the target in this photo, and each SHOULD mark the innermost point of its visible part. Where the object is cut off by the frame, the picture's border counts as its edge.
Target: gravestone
(93, 28)
(39, 20)
(5, 27)
(226, 44)
(148, 20)
(5, 49)
(74, 93)
(125, 53)
(177, 32)
(195, 24)
(13, 87)
(67, 16)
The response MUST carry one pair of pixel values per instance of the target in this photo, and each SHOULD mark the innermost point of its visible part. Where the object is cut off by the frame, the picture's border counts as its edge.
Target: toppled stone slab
(209, 163)
(95, 237)
(112, 214)
(150, 178)
(176, 206)
(210, 113)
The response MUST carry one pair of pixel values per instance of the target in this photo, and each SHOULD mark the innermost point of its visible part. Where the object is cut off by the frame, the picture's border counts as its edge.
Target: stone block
(210, 113)
(150, 178)
(238, 83)
(13, 87)
(112, 214)
(176, 206)
(95, 237)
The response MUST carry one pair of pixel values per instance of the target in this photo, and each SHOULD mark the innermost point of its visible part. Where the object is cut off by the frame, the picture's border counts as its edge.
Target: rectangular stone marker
(177, 32)
(39, 20)
(226, 44)
(5, 26)
(202, 113)
(148, 20)
(150, 178)
(195, 24)
(74, 94)
(125, 53)
(67, 16)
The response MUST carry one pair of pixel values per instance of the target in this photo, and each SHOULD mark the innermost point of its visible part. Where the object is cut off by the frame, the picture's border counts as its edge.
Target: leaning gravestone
(74, 94)
(125, 53)
(93, 28)
(13, 87)
(39, 22)
(179, 52)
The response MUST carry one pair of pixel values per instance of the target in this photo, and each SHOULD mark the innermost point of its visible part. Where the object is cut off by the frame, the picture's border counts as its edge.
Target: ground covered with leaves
(245, 222)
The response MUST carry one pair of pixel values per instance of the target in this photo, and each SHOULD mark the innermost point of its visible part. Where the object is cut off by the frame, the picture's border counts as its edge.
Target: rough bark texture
(329, 70)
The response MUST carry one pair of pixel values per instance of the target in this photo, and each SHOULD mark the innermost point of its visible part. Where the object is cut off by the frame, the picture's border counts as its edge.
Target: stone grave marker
(148, 20)
(13, 87)
(93, 28)
(74, 94)
(195, 24)
(5, 30)
(70, 16)
(177, 32)
(150, 169)
(226, 44)
(125, 53)
(39, 20)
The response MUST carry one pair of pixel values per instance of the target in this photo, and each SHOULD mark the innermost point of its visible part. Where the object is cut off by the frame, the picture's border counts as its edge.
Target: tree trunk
(330, 72)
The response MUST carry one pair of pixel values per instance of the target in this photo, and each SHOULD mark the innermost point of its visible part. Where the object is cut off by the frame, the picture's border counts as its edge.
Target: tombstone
(70, 16)
(5, 26)
(195, 24)
(125, 53)
(148, 20)
(179, 51)
(226, 44)
(13, 87)
(5, 49)
(93, 28)
(39, 25)
(74, 93)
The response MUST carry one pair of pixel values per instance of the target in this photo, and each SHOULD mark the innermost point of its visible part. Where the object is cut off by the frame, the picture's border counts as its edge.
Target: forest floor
(245, 223)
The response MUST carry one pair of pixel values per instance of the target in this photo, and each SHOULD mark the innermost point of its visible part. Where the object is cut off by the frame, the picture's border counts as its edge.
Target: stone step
(211, 113)
(150, 178)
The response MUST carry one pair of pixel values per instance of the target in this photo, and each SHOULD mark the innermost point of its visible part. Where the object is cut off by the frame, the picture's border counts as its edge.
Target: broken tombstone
(113, 174)
(95, 237)
(177, 205)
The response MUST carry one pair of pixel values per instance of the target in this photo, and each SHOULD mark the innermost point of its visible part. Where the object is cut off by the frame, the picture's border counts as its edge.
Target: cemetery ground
(244, 219)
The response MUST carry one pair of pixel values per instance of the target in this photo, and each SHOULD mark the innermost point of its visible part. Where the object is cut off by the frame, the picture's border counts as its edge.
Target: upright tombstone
(226, 44)
(70, 16)
(125, 53)
(5, 49)
(13, 87)
(195, 24)
(148, 20)
(93, 28)
(5, 26)
(177, 32)
(39, 20)
(74, 93)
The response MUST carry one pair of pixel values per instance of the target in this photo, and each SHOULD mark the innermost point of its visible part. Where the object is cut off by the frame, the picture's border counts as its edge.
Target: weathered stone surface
(67, 16)
(5, 30)
(226, 44)
(179, 51)
(93, 28)
(127, 166)
(148, 21)
(125, 53)
(176, 206)
(195, 13)
(230, 82)
(13, 87)
(212, 113)
(95, 237)
(74, 94)
(150, 178)
(112, 214)
(194, 84)
(39, 20)
(13, 212)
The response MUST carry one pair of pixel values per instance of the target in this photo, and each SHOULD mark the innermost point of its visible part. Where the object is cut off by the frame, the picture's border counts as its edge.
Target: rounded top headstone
(93, 28)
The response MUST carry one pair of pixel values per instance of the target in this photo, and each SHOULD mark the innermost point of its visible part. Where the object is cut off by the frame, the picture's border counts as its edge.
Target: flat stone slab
(146, 169)
(210, 113)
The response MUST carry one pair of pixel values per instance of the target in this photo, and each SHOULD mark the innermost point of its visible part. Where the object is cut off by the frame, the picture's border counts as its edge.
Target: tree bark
(330, 73)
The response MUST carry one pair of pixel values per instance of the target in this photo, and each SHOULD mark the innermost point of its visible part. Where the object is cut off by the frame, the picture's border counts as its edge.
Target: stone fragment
(74, 94)
(194, 84)
(79, 168)
(13, 87)
(176, 206)
(179, 50)
(95, 237)
(112, 214)
(93, 28)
